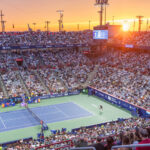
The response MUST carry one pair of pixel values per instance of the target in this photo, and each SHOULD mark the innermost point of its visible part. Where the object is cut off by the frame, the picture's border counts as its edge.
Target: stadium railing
(130, 146)
(59, 145)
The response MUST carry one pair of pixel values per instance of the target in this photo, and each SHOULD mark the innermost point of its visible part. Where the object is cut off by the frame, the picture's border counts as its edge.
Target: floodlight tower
(89, 24)
(147, 25)
(60, 21)
(101, 4)
(2, 21)
(3, 26)
(134, 24)
(34, 25)
(140, 22)
(113, 20)
(47, 25)
(106, 4)
(78, 27)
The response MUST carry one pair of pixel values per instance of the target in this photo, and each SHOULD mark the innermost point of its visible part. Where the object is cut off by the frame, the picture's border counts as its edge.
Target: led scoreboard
(100, 34)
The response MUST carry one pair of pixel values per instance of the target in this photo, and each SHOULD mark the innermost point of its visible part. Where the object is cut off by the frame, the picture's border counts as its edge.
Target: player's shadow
(100, 112)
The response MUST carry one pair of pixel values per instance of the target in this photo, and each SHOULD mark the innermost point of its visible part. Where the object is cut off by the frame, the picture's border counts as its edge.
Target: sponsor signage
(119, 102)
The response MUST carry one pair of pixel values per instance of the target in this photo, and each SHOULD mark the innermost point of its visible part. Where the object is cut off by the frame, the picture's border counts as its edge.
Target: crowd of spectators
(80, 37)
(32, 83)
(52, 81)
(31, 59)
(125, 75)
(139, 39)
(12, 83)
(130, 131)
(45, 38)
(1, 93)
(77, 68)
(60, 71)
(133, 38)
(7, 61)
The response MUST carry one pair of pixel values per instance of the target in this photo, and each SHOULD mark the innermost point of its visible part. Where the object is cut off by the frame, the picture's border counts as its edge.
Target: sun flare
(126, 27)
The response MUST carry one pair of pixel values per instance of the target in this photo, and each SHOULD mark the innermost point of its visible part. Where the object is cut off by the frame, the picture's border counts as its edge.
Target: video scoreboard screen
(100, 34)
(129, 46)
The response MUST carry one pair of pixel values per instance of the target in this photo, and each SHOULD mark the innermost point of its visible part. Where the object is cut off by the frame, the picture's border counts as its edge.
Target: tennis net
(33, 114)
(37, 118)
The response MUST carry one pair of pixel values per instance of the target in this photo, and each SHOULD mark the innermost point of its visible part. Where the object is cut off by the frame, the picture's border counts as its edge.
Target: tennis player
(101, 108)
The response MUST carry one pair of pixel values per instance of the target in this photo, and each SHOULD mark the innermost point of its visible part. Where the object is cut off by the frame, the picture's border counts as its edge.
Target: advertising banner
(41, 46)
(119, 102)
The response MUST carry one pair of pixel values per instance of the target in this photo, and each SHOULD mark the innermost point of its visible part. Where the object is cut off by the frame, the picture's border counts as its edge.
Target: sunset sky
(23, 12)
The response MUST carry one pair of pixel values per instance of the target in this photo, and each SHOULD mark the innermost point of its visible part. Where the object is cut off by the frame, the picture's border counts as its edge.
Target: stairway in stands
(40, 59)
(23, 83)
(59, 79)
(36, 73)
(90, 77)
(5, 92)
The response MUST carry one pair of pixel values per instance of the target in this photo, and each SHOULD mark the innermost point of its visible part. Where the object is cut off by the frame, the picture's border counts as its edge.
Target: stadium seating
(123, 74)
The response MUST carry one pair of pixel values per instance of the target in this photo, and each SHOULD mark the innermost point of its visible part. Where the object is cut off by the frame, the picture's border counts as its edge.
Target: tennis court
(62, 112)
(49, 114)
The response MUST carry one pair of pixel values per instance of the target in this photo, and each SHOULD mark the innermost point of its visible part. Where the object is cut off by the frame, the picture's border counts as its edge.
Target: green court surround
(90, 103)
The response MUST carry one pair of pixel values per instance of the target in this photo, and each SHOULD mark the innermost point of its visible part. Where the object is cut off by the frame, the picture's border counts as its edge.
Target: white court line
(53, 105)
(14, 111)
(24, 109)
(23, 117)
(45, 114)
(59, 110)
(94, 105)
(21, 126)
(27, 116)
(3, 122)
(84, 108)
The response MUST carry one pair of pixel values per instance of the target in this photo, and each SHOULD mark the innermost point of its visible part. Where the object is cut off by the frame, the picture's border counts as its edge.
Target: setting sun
(126, 27)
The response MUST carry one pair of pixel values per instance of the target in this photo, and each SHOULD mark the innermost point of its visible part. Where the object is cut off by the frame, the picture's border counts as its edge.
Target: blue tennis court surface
(52, 113)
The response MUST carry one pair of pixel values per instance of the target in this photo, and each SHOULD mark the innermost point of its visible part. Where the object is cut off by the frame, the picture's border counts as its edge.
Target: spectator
(125, 141)
(82, 143)
(110, 143)
(99, 145)
(145, 139)
(137, 139)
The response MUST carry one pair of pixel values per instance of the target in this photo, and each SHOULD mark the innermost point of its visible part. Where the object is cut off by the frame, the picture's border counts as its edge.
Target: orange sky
(23, 12)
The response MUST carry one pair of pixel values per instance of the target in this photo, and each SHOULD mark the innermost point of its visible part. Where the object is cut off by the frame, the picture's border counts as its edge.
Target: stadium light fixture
(101, 4)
